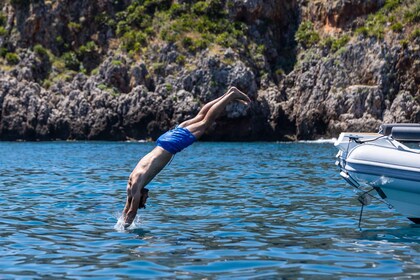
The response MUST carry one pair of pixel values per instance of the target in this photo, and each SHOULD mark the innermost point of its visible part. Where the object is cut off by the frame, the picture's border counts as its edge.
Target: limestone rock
(296, 93)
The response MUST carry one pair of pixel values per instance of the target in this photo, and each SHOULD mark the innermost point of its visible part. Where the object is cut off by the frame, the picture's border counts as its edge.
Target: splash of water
(119, 226)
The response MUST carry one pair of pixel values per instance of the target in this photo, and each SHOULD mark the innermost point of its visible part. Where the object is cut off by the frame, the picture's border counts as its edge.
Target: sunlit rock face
(298, 91)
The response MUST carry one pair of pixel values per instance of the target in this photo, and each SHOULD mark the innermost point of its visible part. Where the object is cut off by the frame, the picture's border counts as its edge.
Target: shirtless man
(168, 145)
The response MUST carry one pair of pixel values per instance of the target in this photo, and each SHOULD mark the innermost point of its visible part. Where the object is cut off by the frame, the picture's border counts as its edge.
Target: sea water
(219, 211)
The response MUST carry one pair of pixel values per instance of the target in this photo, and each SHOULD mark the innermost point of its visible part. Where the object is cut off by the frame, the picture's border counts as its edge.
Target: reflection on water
(219, 210)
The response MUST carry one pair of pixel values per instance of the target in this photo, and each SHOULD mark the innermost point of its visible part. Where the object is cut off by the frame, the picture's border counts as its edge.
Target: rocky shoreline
(366, 82)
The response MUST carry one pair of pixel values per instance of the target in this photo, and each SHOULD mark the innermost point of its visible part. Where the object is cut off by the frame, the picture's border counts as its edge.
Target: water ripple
(219, 210)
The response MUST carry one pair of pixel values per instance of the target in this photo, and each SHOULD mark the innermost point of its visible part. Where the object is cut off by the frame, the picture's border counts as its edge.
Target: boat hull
(393, 172)
(400, 193)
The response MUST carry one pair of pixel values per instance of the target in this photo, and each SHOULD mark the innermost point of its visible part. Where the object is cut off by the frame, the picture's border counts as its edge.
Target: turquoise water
(219, 210)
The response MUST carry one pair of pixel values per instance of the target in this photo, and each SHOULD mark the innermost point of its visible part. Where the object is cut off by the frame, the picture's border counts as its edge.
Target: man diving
(170, 143)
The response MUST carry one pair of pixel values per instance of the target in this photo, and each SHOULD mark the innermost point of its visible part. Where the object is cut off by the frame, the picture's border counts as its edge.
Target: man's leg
(202, 113)
(199, 127)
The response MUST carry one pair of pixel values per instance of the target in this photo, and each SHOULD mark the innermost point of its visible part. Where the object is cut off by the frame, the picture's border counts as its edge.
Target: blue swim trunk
(175, 140)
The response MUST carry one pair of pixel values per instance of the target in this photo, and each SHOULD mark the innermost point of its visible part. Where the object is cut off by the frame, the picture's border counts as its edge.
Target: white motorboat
(381, 162)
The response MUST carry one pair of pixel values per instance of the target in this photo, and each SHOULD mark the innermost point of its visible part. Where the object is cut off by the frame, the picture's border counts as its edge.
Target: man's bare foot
(240, 96)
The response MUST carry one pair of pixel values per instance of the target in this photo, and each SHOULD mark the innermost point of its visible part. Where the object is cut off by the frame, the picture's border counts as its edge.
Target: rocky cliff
(119, 70)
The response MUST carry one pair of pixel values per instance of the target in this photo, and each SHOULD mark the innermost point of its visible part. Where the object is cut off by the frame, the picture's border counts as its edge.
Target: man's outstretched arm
(147, 168)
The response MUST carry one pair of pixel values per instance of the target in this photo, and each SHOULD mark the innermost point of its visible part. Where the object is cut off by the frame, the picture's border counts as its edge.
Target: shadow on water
(410, 234)
(140, 232)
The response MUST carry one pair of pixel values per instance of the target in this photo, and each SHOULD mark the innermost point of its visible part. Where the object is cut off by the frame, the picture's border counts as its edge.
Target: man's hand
(134, 202)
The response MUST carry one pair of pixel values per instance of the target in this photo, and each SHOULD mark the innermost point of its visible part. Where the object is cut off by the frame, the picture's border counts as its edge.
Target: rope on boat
(363, 197)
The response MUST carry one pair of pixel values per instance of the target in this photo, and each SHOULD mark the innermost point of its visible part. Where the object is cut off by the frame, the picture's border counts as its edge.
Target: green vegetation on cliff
(395, 15)
(306, 34)
(138, 26)
(3, 31)
(192, 26)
